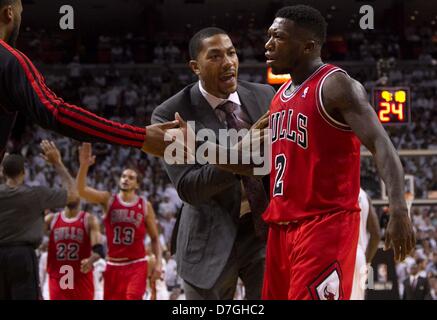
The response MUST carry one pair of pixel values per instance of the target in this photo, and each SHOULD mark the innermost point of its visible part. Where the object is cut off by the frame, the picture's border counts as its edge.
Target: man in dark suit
(415, 286)
(216, 237)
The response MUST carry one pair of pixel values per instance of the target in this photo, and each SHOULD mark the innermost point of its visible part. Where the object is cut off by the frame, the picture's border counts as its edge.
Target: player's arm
(152, 230)
(346, 100)
(28, 93)
(86, 159)
(374, 230)
(96, 245)
(251, 144)
(52, 155)
(47, 222)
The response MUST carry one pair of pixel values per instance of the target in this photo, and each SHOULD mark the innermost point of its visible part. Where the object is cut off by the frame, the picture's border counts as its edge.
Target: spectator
(416, 287)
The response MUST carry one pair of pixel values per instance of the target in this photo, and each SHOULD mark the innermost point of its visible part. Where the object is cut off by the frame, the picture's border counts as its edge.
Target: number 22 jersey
(69, 243)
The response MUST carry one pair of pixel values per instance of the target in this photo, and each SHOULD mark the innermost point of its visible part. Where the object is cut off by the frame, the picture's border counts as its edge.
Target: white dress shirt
(214, 102)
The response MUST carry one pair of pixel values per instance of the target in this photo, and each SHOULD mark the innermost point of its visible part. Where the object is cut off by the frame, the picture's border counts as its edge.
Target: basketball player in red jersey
(127, 218)
(318, 120)
(74, 246)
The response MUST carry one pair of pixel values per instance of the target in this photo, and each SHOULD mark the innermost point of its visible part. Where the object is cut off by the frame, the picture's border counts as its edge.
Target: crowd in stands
(417, 42)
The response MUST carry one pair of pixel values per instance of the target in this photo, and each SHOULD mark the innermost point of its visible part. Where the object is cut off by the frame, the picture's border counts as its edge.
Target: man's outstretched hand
(399, 234)
(178, 132)
(50, 152)
(188, 132)
(154, 143)
(85, 155)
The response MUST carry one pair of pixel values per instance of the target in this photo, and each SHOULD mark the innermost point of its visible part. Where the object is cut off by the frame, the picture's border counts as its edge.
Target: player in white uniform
(370, 235)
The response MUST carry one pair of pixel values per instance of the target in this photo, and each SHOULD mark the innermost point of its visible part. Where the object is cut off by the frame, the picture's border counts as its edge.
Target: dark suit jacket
(212, 197)
(421, 292)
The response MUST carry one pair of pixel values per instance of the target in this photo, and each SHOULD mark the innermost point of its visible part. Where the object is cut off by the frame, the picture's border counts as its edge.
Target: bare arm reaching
(86, 159)
(52, 155)
(152, 229)
(96, 244)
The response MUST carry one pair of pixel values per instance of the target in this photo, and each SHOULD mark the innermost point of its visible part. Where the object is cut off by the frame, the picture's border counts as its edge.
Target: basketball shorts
(312, 259)
(83, 287)
(125, 281)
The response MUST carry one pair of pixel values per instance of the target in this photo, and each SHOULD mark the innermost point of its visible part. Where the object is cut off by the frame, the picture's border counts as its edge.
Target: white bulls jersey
(363, 202)
(360, 274)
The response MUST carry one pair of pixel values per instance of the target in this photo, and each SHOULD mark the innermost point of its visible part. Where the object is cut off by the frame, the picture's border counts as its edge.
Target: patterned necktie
(254, 188)
(414, 283)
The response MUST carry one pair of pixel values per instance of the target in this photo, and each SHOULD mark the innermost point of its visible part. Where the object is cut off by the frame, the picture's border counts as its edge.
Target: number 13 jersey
(315, 158)
(126, 229)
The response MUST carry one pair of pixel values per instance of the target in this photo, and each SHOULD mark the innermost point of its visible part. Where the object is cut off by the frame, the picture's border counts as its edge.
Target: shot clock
(392, 104)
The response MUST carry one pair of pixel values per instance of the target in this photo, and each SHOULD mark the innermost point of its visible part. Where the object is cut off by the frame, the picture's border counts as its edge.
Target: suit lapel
(204, 113)
(249, 104)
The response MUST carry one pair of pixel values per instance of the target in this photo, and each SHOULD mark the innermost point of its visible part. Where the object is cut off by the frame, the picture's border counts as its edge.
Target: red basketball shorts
(83, 288)
(312, 259)
(125, 281)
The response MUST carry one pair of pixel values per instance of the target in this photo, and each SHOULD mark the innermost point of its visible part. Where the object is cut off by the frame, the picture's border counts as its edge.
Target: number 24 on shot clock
(392, 104)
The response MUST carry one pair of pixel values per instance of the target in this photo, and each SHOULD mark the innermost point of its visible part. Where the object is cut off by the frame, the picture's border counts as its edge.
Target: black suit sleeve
(195, 184)
(23, 89)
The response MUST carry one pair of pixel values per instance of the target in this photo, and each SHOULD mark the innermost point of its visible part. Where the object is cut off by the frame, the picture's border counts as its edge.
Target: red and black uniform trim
(23, 89)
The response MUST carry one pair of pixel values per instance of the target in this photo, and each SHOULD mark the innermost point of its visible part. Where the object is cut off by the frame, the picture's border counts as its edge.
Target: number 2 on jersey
(280, 163)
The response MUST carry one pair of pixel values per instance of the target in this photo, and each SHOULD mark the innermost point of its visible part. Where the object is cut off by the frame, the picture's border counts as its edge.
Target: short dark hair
(305, 17)
(6, 2)
(13, 165)
(195, 43)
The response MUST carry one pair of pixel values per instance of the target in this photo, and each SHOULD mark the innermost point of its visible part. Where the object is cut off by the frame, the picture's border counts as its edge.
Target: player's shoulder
(341, 81)
(9, 56)
(339, 88)
(6, 52)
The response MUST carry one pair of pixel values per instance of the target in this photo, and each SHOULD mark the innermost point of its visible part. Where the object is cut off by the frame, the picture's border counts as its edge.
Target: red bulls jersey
(315, 159)
(126, 228)
(69, 243)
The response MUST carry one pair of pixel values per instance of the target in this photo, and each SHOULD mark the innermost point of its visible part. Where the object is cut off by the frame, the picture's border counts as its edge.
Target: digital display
(276, 78)
(392, 104)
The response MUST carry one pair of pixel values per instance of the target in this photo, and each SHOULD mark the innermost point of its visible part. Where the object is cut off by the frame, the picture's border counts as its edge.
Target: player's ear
(6, 14)
(194, 66)
(309, 46)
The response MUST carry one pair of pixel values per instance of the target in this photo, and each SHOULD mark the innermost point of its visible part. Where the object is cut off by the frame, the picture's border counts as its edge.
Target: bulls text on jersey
(126, 215)
(284, 123)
